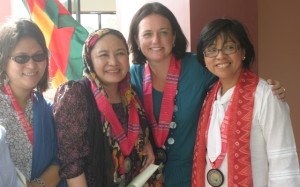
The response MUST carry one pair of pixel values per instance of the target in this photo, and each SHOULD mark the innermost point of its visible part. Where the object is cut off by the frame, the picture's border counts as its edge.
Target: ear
(243, 53)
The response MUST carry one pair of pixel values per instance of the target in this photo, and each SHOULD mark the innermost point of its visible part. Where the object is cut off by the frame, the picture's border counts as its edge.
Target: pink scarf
(161, 128)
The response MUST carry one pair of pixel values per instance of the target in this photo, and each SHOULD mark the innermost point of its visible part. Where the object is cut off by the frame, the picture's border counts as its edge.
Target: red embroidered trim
(239, 155)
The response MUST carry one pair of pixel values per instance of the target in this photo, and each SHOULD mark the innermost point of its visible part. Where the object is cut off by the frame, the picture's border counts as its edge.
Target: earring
(173, 44)
(139, 48)
(244, 58)
(6, 79)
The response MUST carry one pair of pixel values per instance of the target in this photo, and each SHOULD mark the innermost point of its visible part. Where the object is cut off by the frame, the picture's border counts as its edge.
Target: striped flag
(64, 37)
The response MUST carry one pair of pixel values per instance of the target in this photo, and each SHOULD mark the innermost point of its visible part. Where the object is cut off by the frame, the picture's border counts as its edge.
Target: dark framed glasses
(227, 49)
(22, 59)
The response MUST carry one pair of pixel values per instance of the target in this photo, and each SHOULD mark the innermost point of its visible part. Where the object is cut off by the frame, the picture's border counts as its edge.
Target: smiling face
(225, 66)
(25, 77)
(110, 60)
(155, 38)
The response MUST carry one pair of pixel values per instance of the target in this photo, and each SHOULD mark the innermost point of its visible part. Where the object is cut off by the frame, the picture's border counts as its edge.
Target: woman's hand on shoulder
(277, 89)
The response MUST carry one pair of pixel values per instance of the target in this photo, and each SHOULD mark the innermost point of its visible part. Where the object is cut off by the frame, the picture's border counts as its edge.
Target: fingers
(150, 157)
(281, 94)
(277, 89)
(271, 82)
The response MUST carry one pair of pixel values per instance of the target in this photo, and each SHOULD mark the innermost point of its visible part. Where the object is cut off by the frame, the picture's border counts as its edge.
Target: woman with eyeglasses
(172, 86)
(24, 113)
(245, 136)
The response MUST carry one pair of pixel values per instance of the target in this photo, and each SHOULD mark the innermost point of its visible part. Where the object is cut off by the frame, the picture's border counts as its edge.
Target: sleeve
(275, 121)
(70, 115)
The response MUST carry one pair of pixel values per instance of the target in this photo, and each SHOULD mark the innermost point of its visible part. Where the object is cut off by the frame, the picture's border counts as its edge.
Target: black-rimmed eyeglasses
(227, 49)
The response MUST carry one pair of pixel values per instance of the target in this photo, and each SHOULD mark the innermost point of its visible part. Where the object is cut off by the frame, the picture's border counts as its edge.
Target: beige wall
(126, 9)
(279, 49)
(98, 5)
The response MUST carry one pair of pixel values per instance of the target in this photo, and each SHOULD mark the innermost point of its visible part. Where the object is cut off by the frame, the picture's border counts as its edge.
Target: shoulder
(266, 101)
(136, 75)
(263, 89)
(191, 68)
(136, 69)
(70, 89)
(39, 98)
(4, 101)
(72, 93)
(190, 62)
(189, 56)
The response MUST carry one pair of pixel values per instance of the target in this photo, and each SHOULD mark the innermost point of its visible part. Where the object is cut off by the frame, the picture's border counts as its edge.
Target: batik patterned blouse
(71, 117)
(16, 138)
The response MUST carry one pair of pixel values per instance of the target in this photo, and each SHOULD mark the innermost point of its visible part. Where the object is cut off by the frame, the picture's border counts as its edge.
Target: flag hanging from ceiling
(64, 37)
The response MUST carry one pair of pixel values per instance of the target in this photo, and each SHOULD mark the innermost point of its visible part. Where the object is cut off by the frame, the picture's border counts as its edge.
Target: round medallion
(171, 141)
(160, 156)
(173, 125)
(215, 177)
(127, 164)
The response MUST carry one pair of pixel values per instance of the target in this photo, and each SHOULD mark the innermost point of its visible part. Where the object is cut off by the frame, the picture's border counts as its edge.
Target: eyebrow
(106, 51)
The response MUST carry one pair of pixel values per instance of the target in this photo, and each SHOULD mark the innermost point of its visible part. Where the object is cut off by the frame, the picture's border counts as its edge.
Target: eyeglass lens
(226, 49)
(22, 59)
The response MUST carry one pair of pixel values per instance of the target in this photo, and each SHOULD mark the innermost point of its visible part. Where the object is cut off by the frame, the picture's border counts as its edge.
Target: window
(94, 21)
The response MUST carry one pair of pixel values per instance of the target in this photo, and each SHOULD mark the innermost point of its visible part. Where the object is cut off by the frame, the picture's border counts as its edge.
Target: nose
(113, 60)
(31, 63)
(156, 38)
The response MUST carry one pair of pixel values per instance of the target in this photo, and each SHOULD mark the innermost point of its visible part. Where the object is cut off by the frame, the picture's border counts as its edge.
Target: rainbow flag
(64, 37)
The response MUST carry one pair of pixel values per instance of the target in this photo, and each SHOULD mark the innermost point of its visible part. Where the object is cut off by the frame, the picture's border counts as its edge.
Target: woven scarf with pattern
(129, 97)
(238, 145)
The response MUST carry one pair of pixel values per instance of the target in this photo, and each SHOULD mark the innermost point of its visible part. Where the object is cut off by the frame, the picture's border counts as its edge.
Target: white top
(8, 174)
(274, 158)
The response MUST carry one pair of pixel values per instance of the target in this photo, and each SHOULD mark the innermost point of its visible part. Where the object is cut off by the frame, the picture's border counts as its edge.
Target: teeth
(156, 48)
(112, 71)
(29, 74)
(222, 65)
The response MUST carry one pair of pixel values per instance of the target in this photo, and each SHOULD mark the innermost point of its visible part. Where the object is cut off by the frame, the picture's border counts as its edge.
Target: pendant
(160, 156)
(215, 177)
(127, 164)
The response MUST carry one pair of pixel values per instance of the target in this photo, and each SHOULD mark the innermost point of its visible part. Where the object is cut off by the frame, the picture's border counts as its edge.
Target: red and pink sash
(128, 141)
(238, 117)
(160, 130)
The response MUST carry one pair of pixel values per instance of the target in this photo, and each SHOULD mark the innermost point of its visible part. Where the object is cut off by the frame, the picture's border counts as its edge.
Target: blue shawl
(45, 141)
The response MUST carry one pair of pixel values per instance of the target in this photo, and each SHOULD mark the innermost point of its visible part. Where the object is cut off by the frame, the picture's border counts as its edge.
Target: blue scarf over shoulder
(45, 142)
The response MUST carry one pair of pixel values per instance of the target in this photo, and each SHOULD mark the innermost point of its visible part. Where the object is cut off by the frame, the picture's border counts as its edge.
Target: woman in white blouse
(245, 137)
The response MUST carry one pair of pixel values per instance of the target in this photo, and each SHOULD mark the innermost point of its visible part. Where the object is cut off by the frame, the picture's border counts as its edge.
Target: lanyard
(161, 129)
(126, 142)
(24, 121)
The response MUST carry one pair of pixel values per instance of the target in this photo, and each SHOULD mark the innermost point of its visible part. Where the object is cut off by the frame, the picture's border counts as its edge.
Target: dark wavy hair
(146, 10)
(10, 34)
(229, 28)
